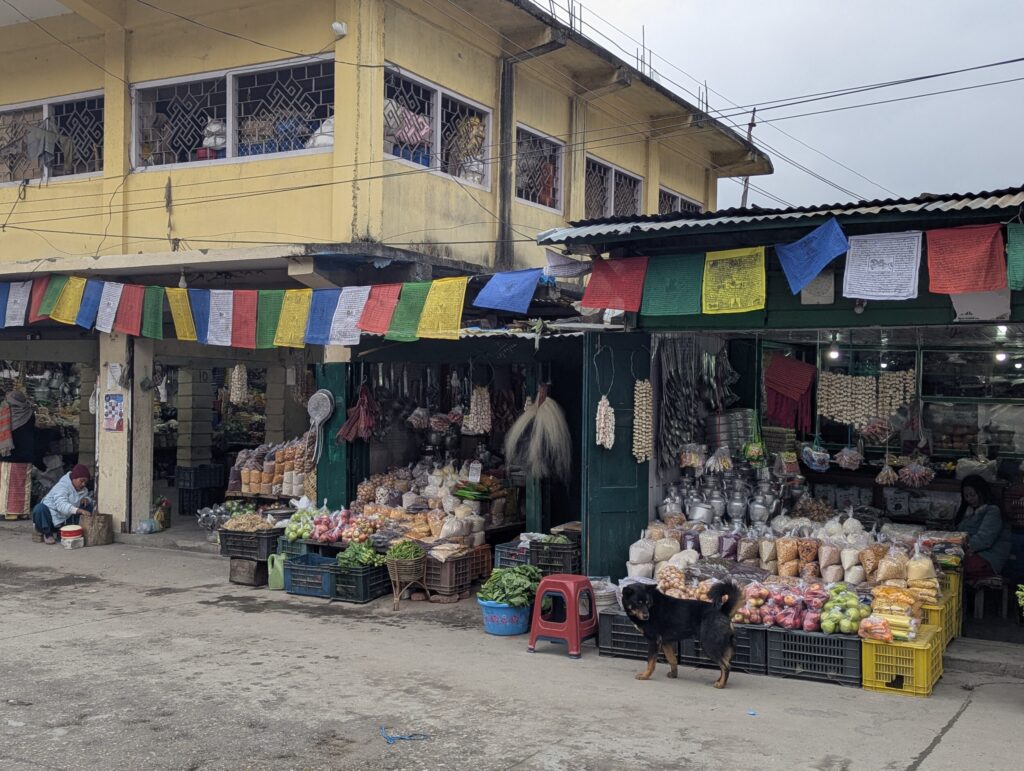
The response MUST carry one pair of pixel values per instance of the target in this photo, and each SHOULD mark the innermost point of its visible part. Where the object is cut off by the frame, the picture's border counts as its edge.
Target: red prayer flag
(243, 318)
(39, 286)
(616, 284)
(129, 311)
(379, 308)
(966, 259)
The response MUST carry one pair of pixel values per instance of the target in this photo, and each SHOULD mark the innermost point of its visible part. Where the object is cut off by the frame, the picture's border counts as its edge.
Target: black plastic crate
(190, 501)
(814, 656)
(211, 476)
(361, 584)
(451, 577)
(510, 555)
(750, 654)
(554, 558)
(186, 477)
(291, 548)
(616, 636)
(253, 546)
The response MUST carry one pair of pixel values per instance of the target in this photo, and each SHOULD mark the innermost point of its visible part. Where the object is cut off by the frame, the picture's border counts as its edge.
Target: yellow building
(248, 143)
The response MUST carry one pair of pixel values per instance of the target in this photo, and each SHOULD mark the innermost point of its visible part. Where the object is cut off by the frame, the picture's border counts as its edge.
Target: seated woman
(64, 504)
(988, 543)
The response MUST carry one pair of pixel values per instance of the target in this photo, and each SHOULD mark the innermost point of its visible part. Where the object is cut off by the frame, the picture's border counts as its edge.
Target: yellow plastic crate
(906, 668)
(937, 616)
(952, 583)
(951, 605)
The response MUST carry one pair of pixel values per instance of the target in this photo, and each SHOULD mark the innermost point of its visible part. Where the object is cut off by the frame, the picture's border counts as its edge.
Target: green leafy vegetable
(556, 539)
(406, 550)
(359, 555)
(516, 586)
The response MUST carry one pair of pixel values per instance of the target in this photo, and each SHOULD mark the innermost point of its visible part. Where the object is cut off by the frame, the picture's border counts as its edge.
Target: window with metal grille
(538, 169)
(54, 139)
(428, 126)
(671, 203)
(610, 192)
(257, 112)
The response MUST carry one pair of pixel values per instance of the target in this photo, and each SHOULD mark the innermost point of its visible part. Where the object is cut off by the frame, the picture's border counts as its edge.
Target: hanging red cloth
(787, 385)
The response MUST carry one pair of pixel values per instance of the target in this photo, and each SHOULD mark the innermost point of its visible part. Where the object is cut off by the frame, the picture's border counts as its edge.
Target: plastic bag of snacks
(855, 575)
(766, 549)
(790, 568)
(710, 543)
(747, 549)
(685, 558)
(893, 566)
(807, 549)
(642, 550)
(729, 545)
(692, 456)
(787, 549)
(829, 554)
(809, 570)
(874, 628)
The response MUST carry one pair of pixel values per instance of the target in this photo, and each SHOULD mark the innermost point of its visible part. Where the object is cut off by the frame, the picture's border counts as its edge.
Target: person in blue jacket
(66, 502)
(988, 537)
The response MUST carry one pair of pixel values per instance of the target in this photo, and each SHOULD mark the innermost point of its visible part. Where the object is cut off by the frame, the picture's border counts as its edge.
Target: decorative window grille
(538, 169)
(258, 112)
(432, 128)
(52, 140)
(182, 122)
(671, 203)
(610, 192)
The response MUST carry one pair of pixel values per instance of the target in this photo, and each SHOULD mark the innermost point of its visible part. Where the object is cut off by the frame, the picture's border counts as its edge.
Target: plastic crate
(509, 555)
(192, 500)
(616, 636)
(750, 654)
(936, 616)
(451, 577)
(253, 546)
(291, 548)
(554, 558)
(481, 567)
(814, 656)
(310, 575)
(952, 583)
(906, 668)
(361, 584)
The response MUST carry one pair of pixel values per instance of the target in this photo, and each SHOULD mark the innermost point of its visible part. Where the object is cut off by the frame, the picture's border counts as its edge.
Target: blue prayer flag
(90, 306)
(803, 260)
(5, 291)
(509, 291)
(199, 299)
(321, 313)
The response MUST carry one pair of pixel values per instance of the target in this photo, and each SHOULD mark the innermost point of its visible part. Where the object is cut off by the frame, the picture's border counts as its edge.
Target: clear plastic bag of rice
(710, 541)
(642, 551)
(664, 548)
(640, 569)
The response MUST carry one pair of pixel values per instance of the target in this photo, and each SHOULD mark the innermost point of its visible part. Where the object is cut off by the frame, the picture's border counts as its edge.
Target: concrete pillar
(652, 184)
(276, 394)
(195, 416)
(141, 426)
(86, 420)
(117, 117)
(575, 162)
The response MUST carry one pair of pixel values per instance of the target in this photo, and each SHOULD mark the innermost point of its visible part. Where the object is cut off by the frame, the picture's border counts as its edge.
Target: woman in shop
(63, 505)
(988, 542)
(17, 440)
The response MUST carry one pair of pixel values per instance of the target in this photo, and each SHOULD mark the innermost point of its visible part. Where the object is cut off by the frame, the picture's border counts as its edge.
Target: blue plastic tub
(501, 619)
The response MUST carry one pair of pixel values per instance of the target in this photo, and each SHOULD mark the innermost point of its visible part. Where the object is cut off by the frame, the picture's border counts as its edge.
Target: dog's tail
(725, 597)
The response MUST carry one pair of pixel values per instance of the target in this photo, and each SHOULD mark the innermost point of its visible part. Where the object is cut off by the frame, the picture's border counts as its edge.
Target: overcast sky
(753, 51)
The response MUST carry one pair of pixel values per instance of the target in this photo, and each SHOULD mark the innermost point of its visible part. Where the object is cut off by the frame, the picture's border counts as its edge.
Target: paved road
(126, 657)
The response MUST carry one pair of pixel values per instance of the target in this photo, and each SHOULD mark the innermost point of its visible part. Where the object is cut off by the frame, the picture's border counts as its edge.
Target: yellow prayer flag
(65, 310)
(734, 281)
(442, 312)
(181, 313)
(291, 324)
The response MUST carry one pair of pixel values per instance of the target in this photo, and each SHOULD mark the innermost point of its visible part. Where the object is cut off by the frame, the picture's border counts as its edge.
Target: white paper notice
(109, 300)
(221, 310)
(17, 303)
(113, 376)
(821, 290)
(883, 266)
(982, 306)
(350, 307)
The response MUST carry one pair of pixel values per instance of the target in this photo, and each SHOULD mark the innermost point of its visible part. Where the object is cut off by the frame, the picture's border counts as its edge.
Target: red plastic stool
(564, 622)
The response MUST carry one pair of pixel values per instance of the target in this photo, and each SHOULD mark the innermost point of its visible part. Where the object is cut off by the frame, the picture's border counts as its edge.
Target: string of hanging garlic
(895, 389)
(643, 422)
(478, 420)
(238, 385)
(605, 424)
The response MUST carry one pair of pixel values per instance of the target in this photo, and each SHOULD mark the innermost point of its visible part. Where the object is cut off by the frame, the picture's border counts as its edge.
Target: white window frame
(610, 197)
(231, 120)
(435, 150)
(559, 173)
(681, 197)
(46, 104)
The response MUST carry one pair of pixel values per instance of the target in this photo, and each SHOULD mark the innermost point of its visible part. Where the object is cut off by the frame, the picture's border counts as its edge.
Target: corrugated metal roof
(617, 227)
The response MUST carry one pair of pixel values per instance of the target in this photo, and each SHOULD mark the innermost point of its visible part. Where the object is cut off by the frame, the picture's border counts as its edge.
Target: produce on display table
(248, 523)
(360, 555)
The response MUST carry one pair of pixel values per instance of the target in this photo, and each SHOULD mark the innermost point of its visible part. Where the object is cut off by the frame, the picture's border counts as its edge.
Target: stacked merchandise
(277, 470)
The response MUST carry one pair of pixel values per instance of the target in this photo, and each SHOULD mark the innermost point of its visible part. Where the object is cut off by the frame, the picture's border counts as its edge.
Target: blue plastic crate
(311, 575)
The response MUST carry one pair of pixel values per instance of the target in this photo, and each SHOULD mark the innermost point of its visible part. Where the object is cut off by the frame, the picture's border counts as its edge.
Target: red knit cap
(80, 472)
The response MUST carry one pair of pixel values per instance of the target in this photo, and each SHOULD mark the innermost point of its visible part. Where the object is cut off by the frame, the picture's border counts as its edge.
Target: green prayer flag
(53, 290)
(268, 309)
(673, 285)
(1015, 256)
(406, 318)
(153, 313)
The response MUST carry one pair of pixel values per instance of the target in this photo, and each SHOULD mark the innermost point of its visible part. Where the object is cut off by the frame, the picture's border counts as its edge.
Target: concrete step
(996, 658)
(168, 539)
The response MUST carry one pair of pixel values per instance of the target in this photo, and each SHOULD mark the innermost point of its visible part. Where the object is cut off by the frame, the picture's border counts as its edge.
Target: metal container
(758, 509)
(700, 512)
(737, 506)
(718, 503)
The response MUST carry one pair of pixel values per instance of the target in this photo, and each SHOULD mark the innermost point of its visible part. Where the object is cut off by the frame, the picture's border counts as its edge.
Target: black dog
(664, 621)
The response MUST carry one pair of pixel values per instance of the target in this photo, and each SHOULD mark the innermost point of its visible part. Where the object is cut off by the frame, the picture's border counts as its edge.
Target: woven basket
(407, 570)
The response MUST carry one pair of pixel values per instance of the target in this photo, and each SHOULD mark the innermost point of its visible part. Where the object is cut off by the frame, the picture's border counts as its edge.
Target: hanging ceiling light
(833, 349)
(884, 365)
(182, 283)
(1000, 355)
(1017, 365)
(1001, 329)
